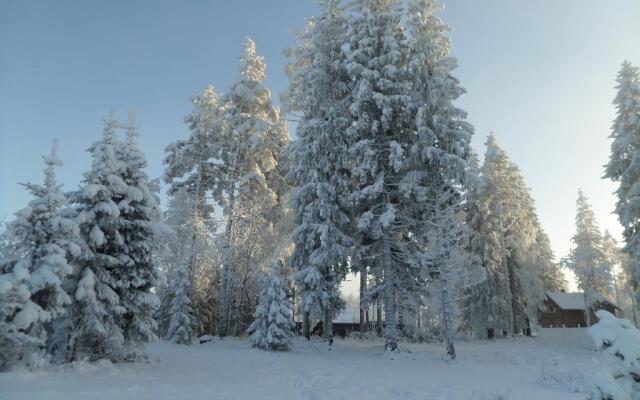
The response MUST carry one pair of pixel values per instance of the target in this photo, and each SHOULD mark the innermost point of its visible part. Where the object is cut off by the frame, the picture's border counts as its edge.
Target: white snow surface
(520, 369)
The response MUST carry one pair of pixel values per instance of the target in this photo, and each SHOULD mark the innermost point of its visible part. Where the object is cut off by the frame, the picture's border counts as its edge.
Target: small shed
(568, 309)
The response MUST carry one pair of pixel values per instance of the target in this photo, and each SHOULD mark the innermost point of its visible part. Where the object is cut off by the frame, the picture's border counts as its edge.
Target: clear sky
(540, 74)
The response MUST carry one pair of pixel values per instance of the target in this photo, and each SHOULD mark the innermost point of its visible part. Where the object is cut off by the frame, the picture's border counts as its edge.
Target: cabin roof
(575, 300)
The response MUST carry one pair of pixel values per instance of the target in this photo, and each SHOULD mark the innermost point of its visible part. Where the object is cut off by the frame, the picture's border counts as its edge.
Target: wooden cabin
(568, 309)
(343, 325)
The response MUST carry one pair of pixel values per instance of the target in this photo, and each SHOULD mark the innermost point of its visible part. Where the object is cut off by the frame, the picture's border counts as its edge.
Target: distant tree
(553, 279)
(587, 259)
(507, 237)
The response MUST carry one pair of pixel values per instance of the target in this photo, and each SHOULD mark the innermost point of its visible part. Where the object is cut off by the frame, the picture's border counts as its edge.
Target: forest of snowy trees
(376, 181)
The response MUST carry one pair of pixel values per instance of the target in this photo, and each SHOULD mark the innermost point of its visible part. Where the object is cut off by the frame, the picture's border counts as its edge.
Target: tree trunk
(363, 294)
(509, 294)
(223, 308)
(633, 309)
(615, 285)
(226, 268)
(238, 317)
(587, 308)
(306, 325)
(327, 324)
(378, 317)
(391, 342)
(446, 315)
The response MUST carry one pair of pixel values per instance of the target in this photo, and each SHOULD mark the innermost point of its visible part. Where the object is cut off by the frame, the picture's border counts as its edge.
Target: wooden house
(568, 309)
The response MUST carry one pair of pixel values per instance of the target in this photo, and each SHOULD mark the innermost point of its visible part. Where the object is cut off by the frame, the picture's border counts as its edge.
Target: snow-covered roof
(575, 301)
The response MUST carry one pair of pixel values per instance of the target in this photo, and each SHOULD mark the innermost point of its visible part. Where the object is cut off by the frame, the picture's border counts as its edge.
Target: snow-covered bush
(620, 340)
(272, 328)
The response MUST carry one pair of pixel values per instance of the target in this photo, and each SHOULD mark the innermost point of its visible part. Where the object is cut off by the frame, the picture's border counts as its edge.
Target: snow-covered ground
(520, 369)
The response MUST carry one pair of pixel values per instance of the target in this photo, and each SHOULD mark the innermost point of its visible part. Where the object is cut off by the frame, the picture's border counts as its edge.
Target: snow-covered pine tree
(192, 168)
(141, 231)
(249, 186)
(586, 259)
(272, 328)
(33, 268)
(319, 90)
(622, 168)
(439, 169)
(381, 137)
(92, 328)
(189, 163)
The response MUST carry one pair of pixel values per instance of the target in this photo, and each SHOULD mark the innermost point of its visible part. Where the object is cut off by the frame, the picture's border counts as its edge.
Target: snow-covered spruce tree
(505, 233)
(629, 304)
(523, 228)
(191, 167)
(586, 259)
(496, 293)
(179, 312)
(319, 90)
(249, 186)
(620, 341)
(33, 268)
(272, 328)
(381, 137)
(553, 278)
(92, 328)
(618, 261)
(622, 168)
(18, 314)
(141, 232)
(439, 153)
(444, 235)
(481, 308)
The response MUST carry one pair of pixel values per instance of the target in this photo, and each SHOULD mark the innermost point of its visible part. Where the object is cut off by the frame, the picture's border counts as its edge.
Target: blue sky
(540, 74)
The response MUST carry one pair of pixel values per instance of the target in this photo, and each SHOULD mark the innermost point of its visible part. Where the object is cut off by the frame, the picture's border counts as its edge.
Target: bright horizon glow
(538, 74)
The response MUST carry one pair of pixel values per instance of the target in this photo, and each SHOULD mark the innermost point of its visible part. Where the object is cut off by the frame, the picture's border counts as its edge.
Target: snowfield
(519, 369)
